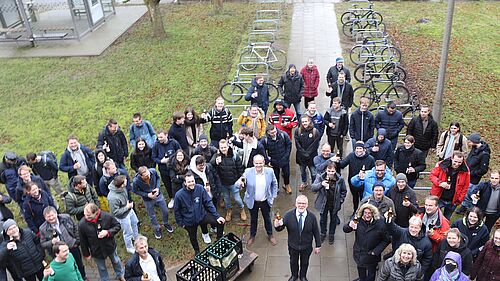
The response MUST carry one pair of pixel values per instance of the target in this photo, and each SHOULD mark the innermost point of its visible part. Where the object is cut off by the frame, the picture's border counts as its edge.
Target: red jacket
(440, 230)
(439, 175)
(288, 117)
(311, 81)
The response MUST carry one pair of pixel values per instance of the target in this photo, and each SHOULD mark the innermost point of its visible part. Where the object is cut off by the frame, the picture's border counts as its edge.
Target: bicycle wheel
(248, 57)
(395, 71)
(399, 94)
(350, 29)
(278, 61)
(358, 54)
(391, 53)
(273, 91)
(377, 16)
(231, 92)
(363, 73)
(409, 113)
(363, 91)
(347, 17)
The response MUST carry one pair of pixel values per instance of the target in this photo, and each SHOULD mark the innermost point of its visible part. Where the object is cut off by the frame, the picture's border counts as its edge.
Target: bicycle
(370, 50)
(396, 92)
(234, 90)
(275, 58)
(359, 13)
(412, 109)
(366, 72)
(368, 26)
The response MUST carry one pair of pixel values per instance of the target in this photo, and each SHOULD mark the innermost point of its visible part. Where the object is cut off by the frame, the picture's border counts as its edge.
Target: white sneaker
(171, 204)
(206, 238)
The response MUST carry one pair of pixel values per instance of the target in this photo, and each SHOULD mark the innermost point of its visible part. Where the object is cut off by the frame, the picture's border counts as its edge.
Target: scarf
(247, 150)
(80, 157)
(340, 91)
(191, 124)
(201, 174)
(430, 219)
(448, 276)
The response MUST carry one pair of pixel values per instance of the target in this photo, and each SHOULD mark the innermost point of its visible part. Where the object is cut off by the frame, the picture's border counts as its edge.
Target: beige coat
(443, 143)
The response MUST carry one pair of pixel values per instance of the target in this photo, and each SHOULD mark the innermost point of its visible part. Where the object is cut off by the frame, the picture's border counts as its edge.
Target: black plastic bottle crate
(234, 238)
(195, 270)
(231, 270)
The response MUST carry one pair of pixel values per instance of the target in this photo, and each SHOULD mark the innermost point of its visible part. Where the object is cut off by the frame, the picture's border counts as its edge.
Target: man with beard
(278, 147)
(380, 148)
(379, 173)
(258, 93)
(379, 200)
(141, 129)
(112, 140)
(390, 119)
(341, 89)
(409, 160)
(405, 200)
(324, 159)
(291, 87)
(358, 160)
(334, 71)
(283, 118)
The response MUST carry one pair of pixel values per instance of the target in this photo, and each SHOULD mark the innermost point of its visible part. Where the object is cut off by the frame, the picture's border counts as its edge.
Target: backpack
(48, 155)
(460, 141)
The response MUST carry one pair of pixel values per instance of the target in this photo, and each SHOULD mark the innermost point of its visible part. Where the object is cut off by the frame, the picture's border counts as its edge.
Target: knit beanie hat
(378, 183)
(475, 138)
(359, 144)
(203, 137)
(8, 223)
(401, 177)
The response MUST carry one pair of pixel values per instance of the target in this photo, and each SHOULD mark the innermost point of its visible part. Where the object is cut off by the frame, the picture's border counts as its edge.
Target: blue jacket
(278, 150)
(20, 187)
(66, 163)
(262, 99)
(33, 210)
(476, 235)
(321, 163)
(485, 190)
(361, 125)
(317, 120)
(385, 151)
(271, 186)
(370, 178)
(140, 188)
(164, 149)
(393, 123)
(145, 131)
(191, 206)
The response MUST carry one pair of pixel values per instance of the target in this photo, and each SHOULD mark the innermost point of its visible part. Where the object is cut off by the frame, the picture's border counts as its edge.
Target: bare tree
(218, 6)
(156, 18)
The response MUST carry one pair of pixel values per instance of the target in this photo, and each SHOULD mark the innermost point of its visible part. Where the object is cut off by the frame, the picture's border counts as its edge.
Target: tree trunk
(218, 6)
(156, 18)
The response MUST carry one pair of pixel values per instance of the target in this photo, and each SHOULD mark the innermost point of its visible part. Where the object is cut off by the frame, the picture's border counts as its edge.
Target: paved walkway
(314, 34)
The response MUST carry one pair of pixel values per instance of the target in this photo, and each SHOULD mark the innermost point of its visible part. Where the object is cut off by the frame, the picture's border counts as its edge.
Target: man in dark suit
(301, 226)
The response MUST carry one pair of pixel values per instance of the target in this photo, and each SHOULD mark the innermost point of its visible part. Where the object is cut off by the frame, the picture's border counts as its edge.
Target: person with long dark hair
(472, 227)
(142, 155)
(179, 166)
(450, 141)
(194, 128)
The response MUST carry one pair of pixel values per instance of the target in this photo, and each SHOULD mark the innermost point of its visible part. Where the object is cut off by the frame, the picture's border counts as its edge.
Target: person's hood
(484, 147)
(476, 226)
(254, 83)
(288, 71)
(192, 164)
(282, 102)
(454, 256)
(375, 212)
(381, 132)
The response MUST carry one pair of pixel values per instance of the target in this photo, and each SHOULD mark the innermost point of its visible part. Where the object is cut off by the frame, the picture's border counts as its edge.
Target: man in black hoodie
(362, 123)
(113, 141)
(291, 87)
(478, 161)
(178, 132)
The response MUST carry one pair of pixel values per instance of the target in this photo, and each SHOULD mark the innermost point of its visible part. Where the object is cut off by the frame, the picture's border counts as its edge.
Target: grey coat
(118, 200)
(392, 272)
(321, 198)
(69, 233)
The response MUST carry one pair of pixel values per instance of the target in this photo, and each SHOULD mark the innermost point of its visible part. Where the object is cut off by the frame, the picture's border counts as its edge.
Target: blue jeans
(449, 208)
(298, 109)
(467, 203)
(117, 266)
(227, 190)
(303, 174)
(150, 208)
(129, 227)
(323, 221)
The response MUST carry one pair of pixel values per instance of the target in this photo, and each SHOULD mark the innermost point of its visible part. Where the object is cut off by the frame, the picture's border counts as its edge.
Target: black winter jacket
(212, 178)
(356, 163)
(485, 190)
(117, 143)
(421, 243)
(229, 169)
(133, 270)
(403, 213)
(33, 210)
(361, 125)
(90, 243)
(278, 150)
(178, 133)
(333, 74)
(27, 259)
(478, 161)
(393, 123)
(291, 87)
(370, 241)
(404, 157)
(6, 212)
(343, 123)
(140, 158)
(477, 235)
(306, 143)
(347, 94)
(423, 140)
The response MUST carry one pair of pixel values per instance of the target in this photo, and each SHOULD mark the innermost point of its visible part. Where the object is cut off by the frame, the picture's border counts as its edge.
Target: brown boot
(243, 215)
(250, 241)
(229, 215)
(288, 189)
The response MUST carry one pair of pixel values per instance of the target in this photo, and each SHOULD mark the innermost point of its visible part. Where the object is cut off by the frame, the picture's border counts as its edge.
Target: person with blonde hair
(402, 266)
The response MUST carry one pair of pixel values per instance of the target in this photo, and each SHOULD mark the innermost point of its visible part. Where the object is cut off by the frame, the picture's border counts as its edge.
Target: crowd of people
(203, 175)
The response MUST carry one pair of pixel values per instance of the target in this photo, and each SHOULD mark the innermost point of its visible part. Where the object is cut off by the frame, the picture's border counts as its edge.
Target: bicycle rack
(261, 37)
(269, 14)
(265, 25)
(361, 35)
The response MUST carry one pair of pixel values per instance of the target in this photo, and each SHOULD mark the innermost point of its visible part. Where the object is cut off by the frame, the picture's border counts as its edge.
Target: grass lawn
(45, 100)
(473, 76)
